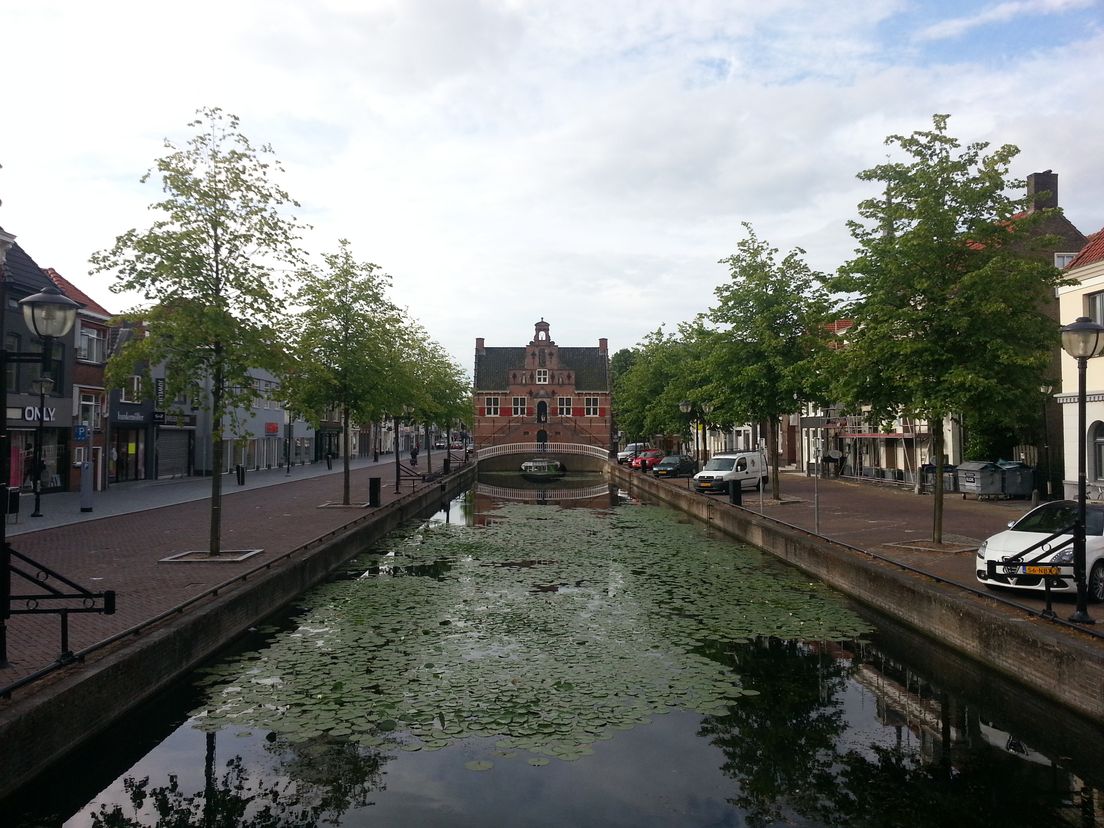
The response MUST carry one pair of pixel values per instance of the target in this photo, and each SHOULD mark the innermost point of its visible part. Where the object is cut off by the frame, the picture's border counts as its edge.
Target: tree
(770, 316)
(439, 391)
(209, 264)
(344, 345)
(948, 316)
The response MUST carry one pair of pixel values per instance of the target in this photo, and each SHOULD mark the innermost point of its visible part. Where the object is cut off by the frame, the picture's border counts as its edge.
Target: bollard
(374, 491)
(736, 493)
(240, 470)
(329, 462)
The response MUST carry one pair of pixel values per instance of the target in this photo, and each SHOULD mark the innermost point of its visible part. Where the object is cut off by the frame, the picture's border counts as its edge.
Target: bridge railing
(541, 448)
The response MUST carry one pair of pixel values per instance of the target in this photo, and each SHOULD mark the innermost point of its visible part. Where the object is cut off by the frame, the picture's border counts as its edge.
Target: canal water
(547, 658)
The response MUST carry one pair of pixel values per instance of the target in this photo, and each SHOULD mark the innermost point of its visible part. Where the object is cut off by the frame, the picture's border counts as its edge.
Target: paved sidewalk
(133, 526)
(120, 544)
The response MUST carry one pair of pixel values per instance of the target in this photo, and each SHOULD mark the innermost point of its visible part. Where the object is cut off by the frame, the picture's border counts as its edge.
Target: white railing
(503, 493)
(541, 448)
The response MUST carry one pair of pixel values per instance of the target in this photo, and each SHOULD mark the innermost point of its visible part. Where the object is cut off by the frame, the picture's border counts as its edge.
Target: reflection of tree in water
(319, 781)
(780, 745)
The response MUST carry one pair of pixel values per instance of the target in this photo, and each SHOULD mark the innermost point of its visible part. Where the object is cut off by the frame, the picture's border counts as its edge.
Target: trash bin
(981, 478)
(12, 506)
(373, 491)
(1017, 479)
(240, 470)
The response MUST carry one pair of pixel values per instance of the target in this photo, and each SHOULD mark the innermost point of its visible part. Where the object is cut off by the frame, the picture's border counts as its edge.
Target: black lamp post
(49, 314)
(707, 409)
(686, 407)
(41, 386)
(1082, 340)
(1046, 391)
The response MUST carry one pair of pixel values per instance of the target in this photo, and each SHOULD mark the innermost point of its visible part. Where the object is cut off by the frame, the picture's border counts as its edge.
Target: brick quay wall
(1058, 663)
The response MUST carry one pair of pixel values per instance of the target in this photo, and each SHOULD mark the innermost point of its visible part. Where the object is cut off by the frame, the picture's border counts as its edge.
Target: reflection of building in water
(912, 705)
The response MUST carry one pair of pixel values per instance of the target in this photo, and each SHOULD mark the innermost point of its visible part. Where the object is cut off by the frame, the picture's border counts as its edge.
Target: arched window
(1096, 450)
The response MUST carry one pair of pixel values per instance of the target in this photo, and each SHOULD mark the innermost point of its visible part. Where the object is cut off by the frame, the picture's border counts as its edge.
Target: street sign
(80, 433)
(159, 416)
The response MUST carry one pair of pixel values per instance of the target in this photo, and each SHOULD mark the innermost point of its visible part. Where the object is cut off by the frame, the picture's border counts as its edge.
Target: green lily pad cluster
(549, 628)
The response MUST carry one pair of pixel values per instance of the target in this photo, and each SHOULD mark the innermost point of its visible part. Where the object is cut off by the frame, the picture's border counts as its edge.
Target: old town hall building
(542, 393)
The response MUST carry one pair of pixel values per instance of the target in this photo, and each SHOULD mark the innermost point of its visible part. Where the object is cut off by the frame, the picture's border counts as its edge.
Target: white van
(630, 451)
(748, 469)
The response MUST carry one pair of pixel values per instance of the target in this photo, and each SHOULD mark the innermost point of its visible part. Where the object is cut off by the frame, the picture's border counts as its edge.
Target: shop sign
(130, 417)
(272, 428)
(31, 414)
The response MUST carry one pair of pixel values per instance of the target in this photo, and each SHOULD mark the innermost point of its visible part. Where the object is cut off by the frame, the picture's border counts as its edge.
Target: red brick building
(542, 393)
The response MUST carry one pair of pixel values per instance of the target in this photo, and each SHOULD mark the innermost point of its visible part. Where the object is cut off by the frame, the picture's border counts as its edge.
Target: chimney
(1042, 191)
(603, 345)
(479, 345)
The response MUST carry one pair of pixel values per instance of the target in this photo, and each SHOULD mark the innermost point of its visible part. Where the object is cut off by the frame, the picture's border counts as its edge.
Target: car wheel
(1096, 583)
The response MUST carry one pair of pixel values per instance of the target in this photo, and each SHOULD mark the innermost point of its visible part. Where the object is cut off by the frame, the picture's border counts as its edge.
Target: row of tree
(228, 288)
(948, 313)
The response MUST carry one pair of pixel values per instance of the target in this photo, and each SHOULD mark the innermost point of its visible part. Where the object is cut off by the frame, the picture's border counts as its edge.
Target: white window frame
(91, 344)
(1062, 260)
(1094, 306)
(490, 406)
(563, 406)
(591, 406)
(94, 401)
(542, 376)
(132, 389)
(520, 406)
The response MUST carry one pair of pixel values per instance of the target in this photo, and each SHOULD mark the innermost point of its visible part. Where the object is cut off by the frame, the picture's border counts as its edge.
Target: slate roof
(588, 364)
(23, 273)
(76, 294)
(1092, 252)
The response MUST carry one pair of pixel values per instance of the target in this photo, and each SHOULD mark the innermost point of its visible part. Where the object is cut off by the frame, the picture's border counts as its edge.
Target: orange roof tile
(1092, 252)
(76, 294)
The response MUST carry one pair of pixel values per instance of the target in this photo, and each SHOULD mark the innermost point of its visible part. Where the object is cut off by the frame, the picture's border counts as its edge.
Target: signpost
(83, 434)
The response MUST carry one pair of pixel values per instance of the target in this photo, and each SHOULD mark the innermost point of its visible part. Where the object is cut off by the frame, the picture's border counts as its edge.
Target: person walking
(414, 455)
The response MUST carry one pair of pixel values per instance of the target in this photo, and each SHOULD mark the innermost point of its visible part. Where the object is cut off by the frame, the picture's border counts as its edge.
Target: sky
(588, 163)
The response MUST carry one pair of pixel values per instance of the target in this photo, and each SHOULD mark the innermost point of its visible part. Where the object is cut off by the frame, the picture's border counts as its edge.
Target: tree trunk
(936, 425)
(429, 447)
(774, 423)
(215, 542)
(345, 452)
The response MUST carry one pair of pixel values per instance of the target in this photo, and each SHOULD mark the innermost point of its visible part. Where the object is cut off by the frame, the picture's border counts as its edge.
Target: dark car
(646, 459)
(676, 465)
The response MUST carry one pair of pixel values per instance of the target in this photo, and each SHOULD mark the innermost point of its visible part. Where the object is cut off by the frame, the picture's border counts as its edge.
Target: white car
(630, 451)
(1047, 531)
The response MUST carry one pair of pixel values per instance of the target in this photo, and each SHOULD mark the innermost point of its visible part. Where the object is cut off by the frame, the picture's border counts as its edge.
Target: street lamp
(1082, 340)
(41, 386)
(707, 409)
(49, 313)
(1046, 391)
(686, 407)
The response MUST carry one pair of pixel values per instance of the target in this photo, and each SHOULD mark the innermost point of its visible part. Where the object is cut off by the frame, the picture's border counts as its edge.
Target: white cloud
(584, 162)
(999, 13)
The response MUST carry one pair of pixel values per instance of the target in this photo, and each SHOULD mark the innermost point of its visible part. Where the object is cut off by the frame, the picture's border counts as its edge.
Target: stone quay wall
(1050, 660)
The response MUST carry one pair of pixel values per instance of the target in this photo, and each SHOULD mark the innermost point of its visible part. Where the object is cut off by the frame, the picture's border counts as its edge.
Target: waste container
(1017, 479)
(373, 491)
(981, 478)
(12, 506)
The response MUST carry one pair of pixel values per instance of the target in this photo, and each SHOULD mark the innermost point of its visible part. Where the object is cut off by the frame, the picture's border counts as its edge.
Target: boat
(541, 468)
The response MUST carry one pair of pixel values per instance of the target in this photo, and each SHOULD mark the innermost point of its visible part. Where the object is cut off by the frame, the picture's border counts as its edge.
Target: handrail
(505, 493)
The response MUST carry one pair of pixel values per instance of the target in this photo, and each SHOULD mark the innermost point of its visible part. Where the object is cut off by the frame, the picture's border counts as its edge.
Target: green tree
(344, 345)
(770, 316)
(211, 266)
(438, 390)
(948, 315)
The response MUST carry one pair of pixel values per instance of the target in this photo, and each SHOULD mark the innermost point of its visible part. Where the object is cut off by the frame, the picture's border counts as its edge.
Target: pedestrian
(414, 455)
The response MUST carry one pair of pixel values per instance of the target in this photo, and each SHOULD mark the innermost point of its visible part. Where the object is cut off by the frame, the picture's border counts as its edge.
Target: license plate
(705, 485)
(1040, 570)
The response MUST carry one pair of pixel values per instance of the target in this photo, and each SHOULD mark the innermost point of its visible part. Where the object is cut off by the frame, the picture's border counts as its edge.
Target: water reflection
(611, 668)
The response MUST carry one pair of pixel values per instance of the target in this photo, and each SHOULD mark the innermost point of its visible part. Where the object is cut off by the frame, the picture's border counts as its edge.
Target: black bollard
(373, 491)
(735, 493)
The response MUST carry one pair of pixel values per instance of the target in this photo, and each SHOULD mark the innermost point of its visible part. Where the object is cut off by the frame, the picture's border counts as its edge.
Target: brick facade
(541, 393)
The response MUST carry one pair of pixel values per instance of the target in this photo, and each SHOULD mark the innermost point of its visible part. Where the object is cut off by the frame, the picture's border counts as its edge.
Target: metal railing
(504, 493)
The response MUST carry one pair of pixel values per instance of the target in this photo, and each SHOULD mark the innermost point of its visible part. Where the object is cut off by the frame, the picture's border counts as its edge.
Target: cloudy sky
(584, 161)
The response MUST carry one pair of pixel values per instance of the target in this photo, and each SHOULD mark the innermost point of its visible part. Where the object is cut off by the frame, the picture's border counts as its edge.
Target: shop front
(127, 454)
(55, 447)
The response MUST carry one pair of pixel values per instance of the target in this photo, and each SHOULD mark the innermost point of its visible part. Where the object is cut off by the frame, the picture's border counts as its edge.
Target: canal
(537, 657)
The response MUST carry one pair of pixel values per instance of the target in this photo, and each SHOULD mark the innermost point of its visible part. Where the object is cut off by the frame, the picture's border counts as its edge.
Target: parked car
(630, 451)
(646, 459)
(675, 465)
(748, 469)
(1019, 568)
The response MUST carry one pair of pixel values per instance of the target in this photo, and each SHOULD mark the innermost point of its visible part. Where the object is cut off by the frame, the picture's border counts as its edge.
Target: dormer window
(542, 376)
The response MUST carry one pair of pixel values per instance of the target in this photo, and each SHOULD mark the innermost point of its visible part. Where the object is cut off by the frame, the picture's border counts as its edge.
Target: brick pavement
(123, 551)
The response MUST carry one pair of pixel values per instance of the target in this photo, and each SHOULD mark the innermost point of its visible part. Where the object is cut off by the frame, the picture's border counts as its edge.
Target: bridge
(551, 494)
(583, 449)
